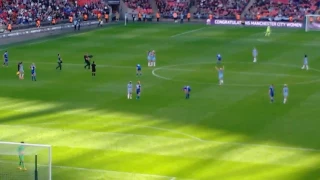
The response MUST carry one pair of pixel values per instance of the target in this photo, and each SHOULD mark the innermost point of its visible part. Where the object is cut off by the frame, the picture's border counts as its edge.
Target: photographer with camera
(87, 60)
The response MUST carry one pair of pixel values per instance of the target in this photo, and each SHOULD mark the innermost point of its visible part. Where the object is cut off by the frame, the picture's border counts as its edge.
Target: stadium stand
(168, 7)
(140, 6)
(24, 12)
(220, 9)
(282, 10)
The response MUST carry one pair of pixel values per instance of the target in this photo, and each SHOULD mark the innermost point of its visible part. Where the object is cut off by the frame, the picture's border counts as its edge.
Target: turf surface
(222, 132)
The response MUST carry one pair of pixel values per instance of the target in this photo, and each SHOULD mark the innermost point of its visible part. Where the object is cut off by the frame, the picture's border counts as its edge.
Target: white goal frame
(315, 17)
(49, 147)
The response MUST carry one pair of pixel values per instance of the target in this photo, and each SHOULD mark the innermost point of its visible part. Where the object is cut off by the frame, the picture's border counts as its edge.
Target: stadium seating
(168, 7)
(140, 6)
(18, 13)
(224, 9)
(282, 10)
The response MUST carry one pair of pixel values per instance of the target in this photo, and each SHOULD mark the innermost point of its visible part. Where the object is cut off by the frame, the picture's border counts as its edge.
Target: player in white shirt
(129, 87)
(254, 54)
(305, 63)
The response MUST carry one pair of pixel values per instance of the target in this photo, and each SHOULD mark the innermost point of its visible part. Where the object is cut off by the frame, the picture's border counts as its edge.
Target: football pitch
(223, 132)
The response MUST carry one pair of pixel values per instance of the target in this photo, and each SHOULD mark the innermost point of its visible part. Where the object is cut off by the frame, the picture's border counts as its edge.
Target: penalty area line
(187, 32)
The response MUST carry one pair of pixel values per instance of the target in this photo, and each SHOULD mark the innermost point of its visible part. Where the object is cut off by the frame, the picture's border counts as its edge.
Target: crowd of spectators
(167, 7)
(282, 10)
(28, 11)
(140, 6)
(219, 8)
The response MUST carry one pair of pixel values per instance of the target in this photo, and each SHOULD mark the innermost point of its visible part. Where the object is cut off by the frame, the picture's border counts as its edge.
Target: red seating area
(168, 7)
(16, 12)
(220, 8)
(282, 10)
(140, 6)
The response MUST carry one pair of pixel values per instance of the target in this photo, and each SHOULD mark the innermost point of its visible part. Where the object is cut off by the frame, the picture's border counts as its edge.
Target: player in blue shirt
(187, 90)
(33, 72)
(271, 93)
(254, 54)
(129, 87)
(5, 59)
(285, 92)
(219, 58)
(305, 63)
(138, 89)
(220, 74)
(138, 68)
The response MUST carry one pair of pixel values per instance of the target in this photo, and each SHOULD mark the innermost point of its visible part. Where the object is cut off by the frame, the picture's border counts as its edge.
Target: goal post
(25, 161)
(312, 22)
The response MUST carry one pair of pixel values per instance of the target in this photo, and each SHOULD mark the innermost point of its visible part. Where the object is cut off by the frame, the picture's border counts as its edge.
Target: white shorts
(129, 91)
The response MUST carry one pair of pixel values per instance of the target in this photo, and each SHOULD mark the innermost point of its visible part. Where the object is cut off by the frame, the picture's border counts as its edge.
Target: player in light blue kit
(5, 59)
(21, 71)
(271, 93)
(219, 58)
(138, 68)
(305, 63)
(153, 58)
(149, 58)
(285, 92)
(129, 87)
(254, 54)
(138, 90)
(187, 90)
(220, 74)
(33, 72)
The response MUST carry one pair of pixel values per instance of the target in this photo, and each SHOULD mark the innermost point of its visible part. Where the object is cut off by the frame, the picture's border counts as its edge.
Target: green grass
(222, 132)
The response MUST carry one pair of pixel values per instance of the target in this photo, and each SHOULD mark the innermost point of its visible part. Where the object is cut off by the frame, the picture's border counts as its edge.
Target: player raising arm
(285, 93)
(220, 74)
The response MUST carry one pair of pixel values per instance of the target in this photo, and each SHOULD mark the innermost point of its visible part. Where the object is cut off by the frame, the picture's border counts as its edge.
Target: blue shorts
(138, 69)
(138, 91)
(33, 73)
(271, 95)
(149, 58)
(220, 77)
(285, 95)
(6, 60)
(153, 59)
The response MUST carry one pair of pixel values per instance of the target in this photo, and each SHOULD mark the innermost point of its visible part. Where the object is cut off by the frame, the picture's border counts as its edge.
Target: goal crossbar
(37, 151)
(312, 22)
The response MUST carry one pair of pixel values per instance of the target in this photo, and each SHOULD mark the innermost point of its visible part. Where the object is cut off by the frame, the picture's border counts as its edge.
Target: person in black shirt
(59, 62)
(87, 61)
(93, 69)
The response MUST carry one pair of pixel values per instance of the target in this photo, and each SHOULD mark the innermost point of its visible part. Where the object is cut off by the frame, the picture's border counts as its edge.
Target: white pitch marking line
(187, 32)
(102, 171)
(191, 70)
(192, 137)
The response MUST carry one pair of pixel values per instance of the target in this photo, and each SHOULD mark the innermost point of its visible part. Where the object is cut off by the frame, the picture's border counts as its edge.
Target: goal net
(36, 160)
(312, 22)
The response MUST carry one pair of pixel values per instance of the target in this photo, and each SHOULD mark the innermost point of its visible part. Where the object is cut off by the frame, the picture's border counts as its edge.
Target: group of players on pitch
(151, 57)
